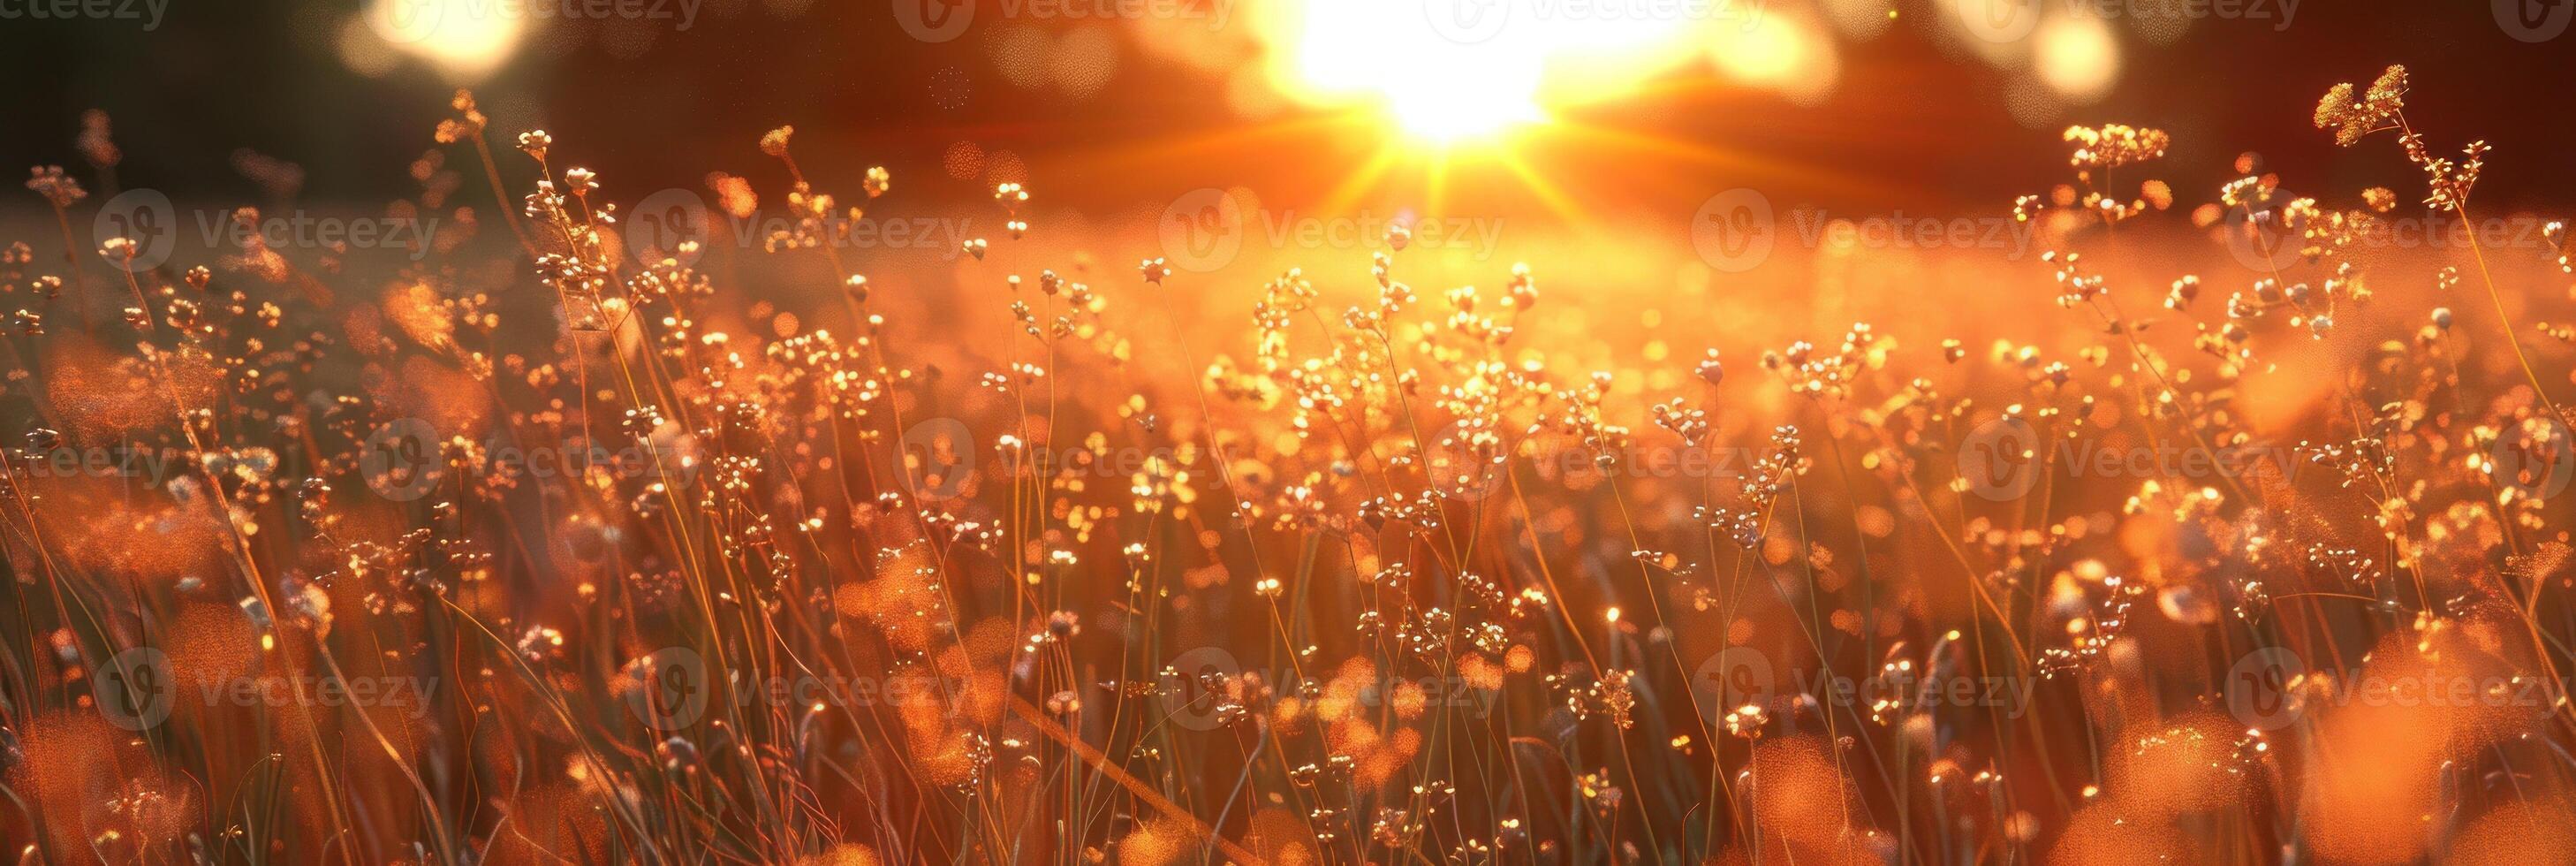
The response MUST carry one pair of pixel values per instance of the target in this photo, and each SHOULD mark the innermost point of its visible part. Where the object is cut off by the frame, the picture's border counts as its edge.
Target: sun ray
(1269, 137)
(1435, 181)
(1556, 200)
(1360, 181)
(1736, 163)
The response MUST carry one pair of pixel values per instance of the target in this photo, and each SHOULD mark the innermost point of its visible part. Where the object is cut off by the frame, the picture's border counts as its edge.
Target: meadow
(2153, 525)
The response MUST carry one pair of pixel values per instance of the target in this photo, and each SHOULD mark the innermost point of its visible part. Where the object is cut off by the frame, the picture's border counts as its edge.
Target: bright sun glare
(1449, 70)
(1447, 117)
(464, 38)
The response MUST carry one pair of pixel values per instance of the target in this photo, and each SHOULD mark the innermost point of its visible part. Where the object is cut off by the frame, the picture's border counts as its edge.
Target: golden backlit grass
(1017, 560)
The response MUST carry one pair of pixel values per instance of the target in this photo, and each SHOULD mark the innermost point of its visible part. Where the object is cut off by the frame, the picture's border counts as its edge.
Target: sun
(1442, 79)
(1451, 118)
(1431, 87)
(465, 39)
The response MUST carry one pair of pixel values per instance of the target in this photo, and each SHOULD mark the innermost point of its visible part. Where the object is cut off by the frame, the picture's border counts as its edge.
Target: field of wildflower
(2219, 528)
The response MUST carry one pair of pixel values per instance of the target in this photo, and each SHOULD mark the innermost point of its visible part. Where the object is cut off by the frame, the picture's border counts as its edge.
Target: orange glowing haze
(1727, 432)
(1438, 70)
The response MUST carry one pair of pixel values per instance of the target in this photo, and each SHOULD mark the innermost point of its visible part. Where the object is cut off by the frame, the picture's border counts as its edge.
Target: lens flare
(465, 39)
(1451, 69)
